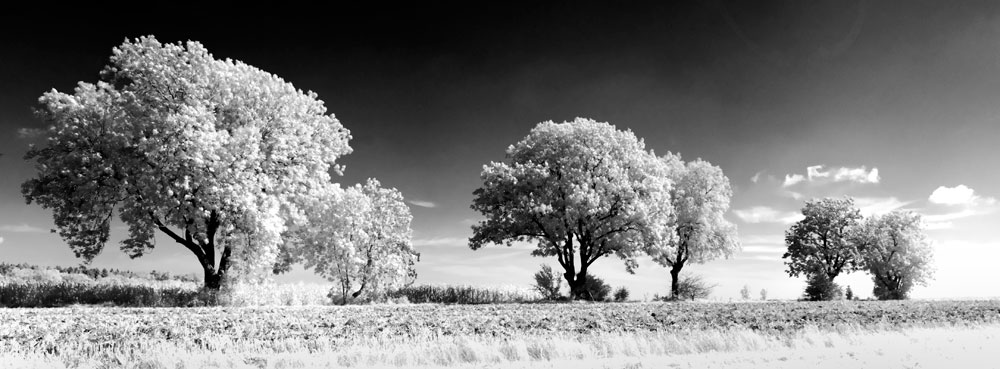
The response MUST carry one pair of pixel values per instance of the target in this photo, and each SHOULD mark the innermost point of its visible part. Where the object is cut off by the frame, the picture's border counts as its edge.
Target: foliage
(849, 294)
(763, 294)
(820, 287)
(896, 253)
(692, 287)
(621, 294)
(547, 283)
(579, 190)
(698, 229)
(67, 293)
(464, 295)
(358, 238)
(822, 241)
(595, 289)
(216, 154)
(745, 292)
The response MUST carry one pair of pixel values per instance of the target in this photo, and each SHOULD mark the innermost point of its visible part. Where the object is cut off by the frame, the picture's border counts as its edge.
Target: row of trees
(584, 190)
(833, 238)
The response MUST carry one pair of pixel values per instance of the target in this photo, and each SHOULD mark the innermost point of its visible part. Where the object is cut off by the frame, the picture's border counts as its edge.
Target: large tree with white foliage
(896, 252)
(359, 238)
(699, 199)
(823, 241)
(218, 155)
(580, 190)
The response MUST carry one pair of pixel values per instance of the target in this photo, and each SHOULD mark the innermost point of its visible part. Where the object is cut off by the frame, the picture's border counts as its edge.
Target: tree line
(236, 165)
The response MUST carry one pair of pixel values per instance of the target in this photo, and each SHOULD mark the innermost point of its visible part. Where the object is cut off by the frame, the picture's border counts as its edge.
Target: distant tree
(745, 292)
(849, 294)
(896, 253)
(621, 294)
(763, 294)
(218, 155)
(693, 287)
(360, 239)
(699, 231)
(547, 283)
(823, 242)
(819, 287)
(581, 191)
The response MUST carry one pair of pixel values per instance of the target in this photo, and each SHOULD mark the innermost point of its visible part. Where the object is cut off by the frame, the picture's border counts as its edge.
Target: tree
(360, 239)
(849, 294)
(621, 294)
(896, 252)
(822, 241)
(216, 154)
(547, 283)
(763, 294)
(820, 287)
(745, 292)
(699, 198)
(581, 191)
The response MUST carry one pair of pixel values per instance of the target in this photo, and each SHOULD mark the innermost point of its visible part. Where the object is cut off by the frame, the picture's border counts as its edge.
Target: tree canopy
(218, 155)
(580, 191)
(699, 199)
(896, 252)
(822, 242)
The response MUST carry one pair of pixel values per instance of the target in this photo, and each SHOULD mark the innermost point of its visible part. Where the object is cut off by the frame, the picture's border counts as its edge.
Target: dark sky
(431, 93)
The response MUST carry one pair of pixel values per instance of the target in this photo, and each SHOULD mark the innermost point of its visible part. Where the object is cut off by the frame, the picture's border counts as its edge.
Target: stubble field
(461, 335)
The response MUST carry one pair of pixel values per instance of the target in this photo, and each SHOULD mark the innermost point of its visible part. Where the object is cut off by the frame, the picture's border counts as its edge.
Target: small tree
(621, 294)
(745, 292)
(848, 294)
(820, 287)
(692, 287)
(763, 294)
(547, 283)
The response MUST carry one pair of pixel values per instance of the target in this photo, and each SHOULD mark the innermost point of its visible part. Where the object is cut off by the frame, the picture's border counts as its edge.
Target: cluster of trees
(833, 238)
(584, 190)
(231, 162)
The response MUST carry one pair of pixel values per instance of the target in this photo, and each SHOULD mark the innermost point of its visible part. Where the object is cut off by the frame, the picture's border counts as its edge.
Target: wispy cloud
(879, 205)
(440, 241)
(756, 176)
(1, 240)
(764, 214)
(817, 173)
(958, 195)
(423, 204)
(20, 228)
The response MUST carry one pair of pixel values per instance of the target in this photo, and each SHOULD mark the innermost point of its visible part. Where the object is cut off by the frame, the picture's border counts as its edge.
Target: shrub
(745, 292)
(595, 289)
(849, 295)
(692, 287)
(820, 287)
(621, 294)
(547, 283)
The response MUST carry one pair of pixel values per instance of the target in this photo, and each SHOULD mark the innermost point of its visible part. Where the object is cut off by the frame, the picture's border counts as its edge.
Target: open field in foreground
(860, 334)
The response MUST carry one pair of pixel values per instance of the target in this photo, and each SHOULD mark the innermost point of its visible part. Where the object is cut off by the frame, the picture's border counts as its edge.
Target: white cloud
(1, 240)
(20, 228)
(440, 241)
(958, 195)
(423, 204)
(756, 177)
(878, 205)
(816, 173)
(792, 179)
(764, 249)
(764, 214)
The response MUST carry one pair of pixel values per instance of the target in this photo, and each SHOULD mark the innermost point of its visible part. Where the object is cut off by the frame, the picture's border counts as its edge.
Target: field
(463, 335)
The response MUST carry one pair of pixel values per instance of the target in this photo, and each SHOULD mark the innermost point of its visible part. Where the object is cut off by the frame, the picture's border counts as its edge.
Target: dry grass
(729, 348)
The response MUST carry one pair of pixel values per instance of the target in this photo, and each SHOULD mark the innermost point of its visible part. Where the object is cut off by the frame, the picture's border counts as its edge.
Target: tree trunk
(213, 280)
(675, 287)
(577, 285)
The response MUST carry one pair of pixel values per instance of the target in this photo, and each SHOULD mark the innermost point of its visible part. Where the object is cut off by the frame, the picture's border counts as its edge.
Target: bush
(547, 283)
(460, 295)
(820, 287)
(621, 294)
(849, 295)
(595, 289)
(692, 287)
